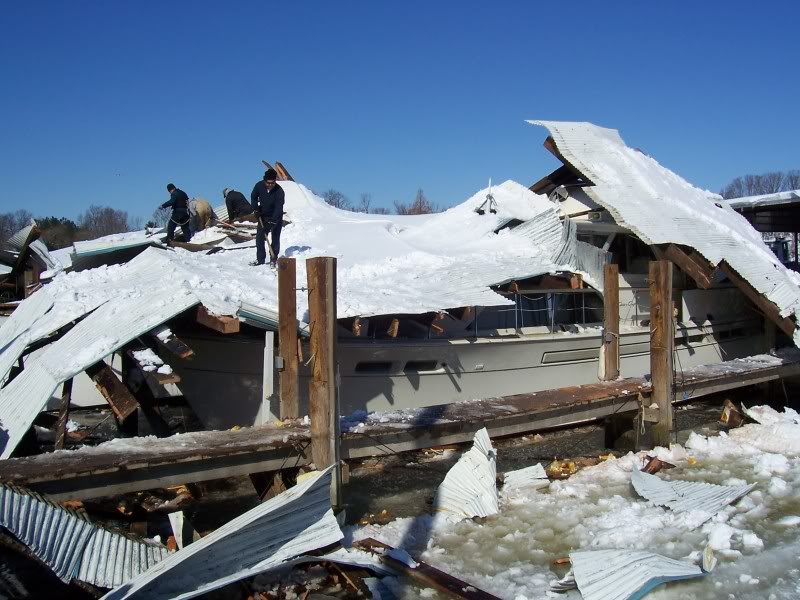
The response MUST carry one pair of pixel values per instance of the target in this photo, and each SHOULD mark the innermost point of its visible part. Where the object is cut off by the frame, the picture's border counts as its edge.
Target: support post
(287, 338)
(611, 322)
(662, 341)
(63, 415)
(323, 392)
(268, 379)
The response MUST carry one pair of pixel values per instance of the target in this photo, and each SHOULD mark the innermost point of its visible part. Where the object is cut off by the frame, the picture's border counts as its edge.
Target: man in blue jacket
(267, 199)
(179, 203)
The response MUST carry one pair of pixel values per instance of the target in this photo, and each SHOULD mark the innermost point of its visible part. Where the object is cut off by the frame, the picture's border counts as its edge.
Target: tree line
(419, 206)
(60, 232)
(766, 183)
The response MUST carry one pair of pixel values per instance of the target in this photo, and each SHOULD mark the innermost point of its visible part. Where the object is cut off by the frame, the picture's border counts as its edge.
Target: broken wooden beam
(114, 391)
(423, 573)
(283, 174)
(171, 342)
(63, 415)
(768, 308)
(153, 377)
(662, 341)
(702, 274)
(287, 339)
(192, 247)
(394, 327)
(221, 324)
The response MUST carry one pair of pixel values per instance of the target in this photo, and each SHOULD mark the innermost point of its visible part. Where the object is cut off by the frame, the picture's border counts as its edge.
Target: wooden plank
(767, 307)
(221, 324)
(662, 342)
(287, 338)
(702, 275)
(63, 415)
(425, 574)
(114, 391)
(153, 377)
(172, 343)
(283, 174)
(610, 322)
(323, 392)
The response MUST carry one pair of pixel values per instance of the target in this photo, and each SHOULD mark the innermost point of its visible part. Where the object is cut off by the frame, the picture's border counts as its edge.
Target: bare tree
(380, 210)
(11, 223)
(792, 180)
(160, 217)
(420, 206)
(366, 200)
(336, 199)
(98, 221)
(771, 183)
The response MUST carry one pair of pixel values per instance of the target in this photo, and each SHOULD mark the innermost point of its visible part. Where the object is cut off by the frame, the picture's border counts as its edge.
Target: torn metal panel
(683, 496)
(111, 559)
(660, 207)
(107, 329)
(70, 544)
(529, 477)
(39, 248)
(625, 574)
(266, 318)
(22, 237)
(470, 488)
(293, 523)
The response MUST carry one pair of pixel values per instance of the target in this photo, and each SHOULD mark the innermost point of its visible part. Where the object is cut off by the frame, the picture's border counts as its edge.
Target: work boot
(255, 263)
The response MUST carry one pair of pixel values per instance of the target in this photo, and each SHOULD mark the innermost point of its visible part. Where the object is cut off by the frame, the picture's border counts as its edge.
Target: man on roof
(267, 198)
(237, 205)
(179, 203)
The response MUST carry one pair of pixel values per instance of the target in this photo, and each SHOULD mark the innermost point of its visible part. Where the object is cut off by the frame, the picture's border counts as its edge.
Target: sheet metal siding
(42, 252)
(622, 574)
(529, 476)
(789, 197)
(661, 207)
(683, 496)
(17, 241)
(293, 523)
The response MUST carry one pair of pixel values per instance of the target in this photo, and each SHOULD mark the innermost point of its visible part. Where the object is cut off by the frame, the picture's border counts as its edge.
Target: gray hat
(225, 192)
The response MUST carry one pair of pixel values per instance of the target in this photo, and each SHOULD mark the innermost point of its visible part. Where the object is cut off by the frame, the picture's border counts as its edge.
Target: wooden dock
(133, 464)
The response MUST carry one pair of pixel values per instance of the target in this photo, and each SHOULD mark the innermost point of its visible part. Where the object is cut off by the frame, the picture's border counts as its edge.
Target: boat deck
(133, 464)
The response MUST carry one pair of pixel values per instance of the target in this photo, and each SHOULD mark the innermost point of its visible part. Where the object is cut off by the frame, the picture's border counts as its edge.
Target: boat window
(417, 366)
(374, 367)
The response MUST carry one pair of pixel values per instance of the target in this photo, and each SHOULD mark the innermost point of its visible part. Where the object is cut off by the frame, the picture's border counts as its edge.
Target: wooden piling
(662, 342)
(287, 338)
(611, 322)
(323, 393)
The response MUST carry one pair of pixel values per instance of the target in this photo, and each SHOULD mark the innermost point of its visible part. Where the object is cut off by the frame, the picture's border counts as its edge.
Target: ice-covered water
(757, 540)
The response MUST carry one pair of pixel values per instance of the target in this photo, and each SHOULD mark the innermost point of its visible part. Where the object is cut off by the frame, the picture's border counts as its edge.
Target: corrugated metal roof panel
(297, 521)
(70, 544)
(5, 269)
(470, 488)
(17, 241)
(38, 247)
(110, 559)
(661, 207)
(110, 327)
(533, 476)
(625, 574)
(682, 496)
(93, 247)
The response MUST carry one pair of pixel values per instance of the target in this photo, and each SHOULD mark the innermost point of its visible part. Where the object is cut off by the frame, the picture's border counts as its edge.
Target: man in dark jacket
(237, 204)
(267, 200)
(179, 203)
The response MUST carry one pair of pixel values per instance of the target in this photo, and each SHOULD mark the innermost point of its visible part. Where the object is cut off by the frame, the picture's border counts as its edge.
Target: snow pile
(150, 361)
(510, 555)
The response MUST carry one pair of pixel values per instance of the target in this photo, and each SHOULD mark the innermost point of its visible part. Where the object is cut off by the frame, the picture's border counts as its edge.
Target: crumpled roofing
(661, 207)
(70, 544)
(470, 488)
(625, 574)
(685, 496)
(289, 525)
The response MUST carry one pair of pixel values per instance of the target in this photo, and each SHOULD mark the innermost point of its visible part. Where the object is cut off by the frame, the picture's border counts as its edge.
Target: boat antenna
(489, 203)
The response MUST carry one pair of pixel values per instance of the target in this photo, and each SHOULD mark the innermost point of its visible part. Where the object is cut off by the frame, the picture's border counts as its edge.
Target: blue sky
(107, 102)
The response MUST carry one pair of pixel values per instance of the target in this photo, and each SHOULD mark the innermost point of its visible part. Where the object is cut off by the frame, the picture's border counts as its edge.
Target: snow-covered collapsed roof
(410, 264)
(661, 207)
